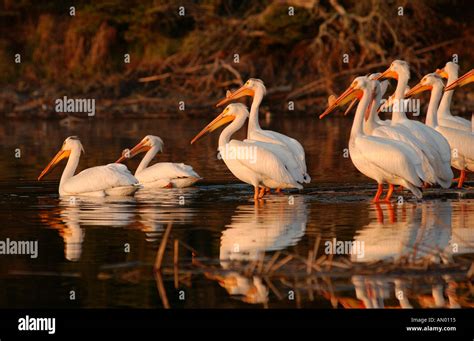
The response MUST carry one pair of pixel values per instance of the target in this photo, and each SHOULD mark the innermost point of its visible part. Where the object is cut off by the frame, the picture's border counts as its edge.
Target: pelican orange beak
(216, 123)
(387, 74)
(418, 89)
(139, 148)
(243, 91)
(62, 154)
(349, 108)
(461, 81)
(351, 94)
(442, 73)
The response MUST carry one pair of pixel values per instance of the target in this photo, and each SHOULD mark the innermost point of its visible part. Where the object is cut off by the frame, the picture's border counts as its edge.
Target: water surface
(102, 251)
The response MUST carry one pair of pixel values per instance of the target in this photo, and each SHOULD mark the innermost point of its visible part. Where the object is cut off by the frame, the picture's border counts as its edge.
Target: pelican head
(426, 84)
(252, 86)
(69, 144)
(449, 68)
(230, 113)
(353, 92)
(395, 69)
(147, 143)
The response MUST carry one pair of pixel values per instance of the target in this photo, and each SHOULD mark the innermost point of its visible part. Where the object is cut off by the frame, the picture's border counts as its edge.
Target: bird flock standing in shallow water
(396, 152)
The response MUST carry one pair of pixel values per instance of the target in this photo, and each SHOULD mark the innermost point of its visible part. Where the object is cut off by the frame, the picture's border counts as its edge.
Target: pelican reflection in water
(426, 231)
(76, 213)
(253, 231)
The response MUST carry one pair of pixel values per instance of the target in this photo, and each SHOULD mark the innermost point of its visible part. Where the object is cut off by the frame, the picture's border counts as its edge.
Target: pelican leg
(278, 190)
(391, 213)
(262, 192)
(267, 190)
(379, 213)
(378, 194)
(389, 193)
(255, 195)
(462, 177)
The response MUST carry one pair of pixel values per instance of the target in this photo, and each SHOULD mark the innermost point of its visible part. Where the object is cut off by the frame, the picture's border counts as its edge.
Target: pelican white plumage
(256, 89)
(373, 127)
(381, 159)
(445, 118)
(433, 140)
(460, 141)
(382, 89)
(100, 181)
(161, 174)
(247, 160)
(461, 81)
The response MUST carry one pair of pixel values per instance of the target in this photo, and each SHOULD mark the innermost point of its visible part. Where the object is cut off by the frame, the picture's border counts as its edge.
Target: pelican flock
(397, 151)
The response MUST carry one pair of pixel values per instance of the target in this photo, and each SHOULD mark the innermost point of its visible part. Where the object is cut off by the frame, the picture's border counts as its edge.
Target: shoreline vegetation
(142, 59)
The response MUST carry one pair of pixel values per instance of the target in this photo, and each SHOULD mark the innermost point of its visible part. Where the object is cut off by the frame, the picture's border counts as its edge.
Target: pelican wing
(166, 170)
(400, 133)
(393, 157)
(455, 123)
(285, 155)
(100, 178)
(461, 142)
(262, 161)
(273, 137)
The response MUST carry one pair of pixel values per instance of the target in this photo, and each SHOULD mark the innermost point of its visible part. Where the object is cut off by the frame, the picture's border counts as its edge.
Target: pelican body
(289, 149)
(263, 170)
(100, 181)
(400, 133)
(430, 138)
(381, 159)
(161, 174)
(460, 141)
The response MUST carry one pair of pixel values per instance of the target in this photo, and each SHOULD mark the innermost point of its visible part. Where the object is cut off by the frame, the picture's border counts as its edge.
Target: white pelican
(438, 145)
(401, 133)
(445, 118)
(100, 181)
(161, 174)
(248, 161)
(461, 81)
(256, 89)
(381, 159)
(460, 141)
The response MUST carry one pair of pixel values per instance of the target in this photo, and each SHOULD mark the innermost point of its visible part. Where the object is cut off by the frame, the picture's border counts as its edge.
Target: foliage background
(191, 57)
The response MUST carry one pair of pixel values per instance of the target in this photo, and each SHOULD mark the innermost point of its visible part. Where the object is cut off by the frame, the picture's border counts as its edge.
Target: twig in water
(281, 263)
(162, 248)
(176, 262)
(161, 290)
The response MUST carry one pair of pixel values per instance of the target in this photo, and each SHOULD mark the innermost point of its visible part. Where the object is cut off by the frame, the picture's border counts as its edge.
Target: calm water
(102, 251)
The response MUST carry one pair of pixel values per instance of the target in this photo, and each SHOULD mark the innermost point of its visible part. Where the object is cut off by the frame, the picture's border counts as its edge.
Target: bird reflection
(73, 213)
(158, 207)
(254, 230)
(426, 231)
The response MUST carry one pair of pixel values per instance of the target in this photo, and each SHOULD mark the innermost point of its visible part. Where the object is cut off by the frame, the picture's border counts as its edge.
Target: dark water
(101, 252)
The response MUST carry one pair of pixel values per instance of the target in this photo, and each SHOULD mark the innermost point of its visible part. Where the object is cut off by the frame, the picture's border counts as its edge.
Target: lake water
(232, 253)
